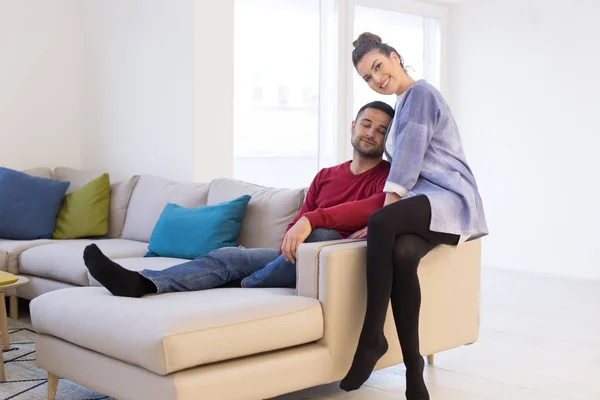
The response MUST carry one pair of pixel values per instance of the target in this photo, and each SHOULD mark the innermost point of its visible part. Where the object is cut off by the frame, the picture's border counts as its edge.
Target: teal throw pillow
(188, 233)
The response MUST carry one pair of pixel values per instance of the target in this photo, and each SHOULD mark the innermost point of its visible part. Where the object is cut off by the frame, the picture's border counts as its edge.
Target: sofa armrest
(335, 273)
(307, 264)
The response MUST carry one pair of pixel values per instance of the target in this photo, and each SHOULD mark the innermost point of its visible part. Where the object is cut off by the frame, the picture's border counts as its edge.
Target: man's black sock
(118, 280)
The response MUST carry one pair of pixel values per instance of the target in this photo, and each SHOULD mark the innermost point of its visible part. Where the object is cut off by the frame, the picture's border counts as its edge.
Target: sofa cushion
(42, 172)
(120, 193)
(77, 178)
(84, 213)
(149, 198)
(174, 331)
(140, 263)
(269, 211)
(10, 250)
(63, 261)
(28, 205)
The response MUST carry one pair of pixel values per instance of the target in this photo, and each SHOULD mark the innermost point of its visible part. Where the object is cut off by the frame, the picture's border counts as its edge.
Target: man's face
(368, 132)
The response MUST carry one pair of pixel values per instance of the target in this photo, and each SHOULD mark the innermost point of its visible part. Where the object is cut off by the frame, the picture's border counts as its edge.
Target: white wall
(213, 89)
(139, 86)
(40, 83)
(524, 84)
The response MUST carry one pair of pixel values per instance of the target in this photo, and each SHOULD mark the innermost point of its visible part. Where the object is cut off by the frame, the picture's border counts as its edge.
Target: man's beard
(373, 153)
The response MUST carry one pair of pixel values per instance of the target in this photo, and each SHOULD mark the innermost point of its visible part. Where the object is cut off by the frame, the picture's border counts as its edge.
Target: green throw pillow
(84, 213)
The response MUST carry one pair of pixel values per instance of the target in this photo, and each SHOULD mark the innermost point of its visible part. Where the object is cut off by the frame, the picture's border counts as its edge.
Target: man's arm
(309, 205)
(310, 201)
(346, 216)
(350, 215)
(353, 214)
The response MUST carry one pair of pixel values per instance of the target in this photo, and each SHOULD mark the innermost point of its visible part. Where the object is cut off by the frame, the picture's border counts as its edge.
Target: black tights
(397, 238)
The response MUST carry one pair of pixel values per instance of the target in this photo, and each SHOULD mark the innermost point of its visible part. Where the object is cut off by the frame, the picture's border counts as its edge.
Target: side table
(4, 320)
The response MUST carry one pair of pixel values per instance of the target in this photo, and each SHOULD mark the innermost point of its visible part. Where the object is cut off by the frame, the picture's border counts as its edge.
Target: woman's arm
(410, 144)
(413, 133)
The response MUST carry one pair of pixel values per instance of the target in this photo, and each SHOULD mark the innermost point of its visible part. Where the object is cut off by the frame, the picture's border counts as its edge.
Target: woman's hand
(292, 239)
(391, 198)
(359, 234)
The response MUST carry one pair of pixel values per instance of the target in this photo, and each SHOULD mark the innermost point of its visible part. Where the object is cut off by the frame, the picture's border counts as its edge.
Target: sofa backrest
(120, 193)
(269, 211)
(149, 198)
(42, 172)
(137, 203)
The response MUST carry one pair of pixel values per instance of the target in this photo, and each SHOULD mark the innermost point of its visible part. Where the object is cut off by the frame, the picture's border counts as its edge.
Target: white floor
(539, 340)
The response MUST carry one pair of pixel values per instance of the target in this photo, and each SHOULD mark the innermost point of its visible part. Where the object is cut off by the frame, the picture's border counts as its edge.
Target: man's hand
(296, 235)
(359, 234)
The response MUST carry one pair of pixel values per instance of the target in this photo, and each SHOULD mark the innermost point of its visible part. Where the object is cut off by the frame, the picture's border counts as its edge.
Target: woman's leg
(409, 216)
(406, 306)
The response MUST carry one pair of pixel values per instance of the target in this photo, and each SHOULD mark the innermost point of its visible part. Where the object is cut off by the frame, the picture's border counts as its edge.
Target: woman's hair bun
(366, 37)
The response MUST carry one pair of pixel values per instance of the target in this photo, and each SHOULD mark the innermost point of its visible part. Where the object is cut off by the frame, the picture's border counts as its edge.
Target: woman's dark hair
(368, 42)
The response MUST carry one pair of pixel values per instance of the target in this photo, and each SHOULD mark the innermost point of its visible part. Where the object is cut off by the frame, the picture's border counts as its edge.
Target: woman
(431, 198)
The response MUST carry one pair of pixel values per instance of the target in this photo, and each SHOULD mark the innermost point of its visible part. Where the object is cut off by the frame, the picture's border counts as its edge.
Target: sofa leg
(52, 386)
(2, 376)
(430, 359)
(14, 307)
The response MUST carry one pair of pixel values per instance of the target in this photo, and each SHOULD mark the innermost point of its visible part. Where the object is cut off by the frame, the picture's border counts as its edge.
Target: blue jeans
(254, 267)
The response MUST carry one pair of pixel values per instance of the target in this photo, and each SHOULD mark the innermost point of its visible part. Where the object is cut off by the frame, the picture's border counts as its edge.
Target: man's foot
(363, 364)
(415, 384)
(118, 280)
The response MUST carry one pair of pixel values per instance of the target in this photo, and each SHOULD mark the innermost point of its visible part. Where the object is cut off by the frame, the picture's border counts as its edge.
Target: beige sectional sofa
(226, 343)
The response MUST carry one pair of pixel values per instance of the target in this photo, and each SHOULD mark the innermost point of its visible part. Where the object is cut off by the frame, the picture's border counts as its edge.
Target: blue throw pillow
(28, 205)
(193, 232)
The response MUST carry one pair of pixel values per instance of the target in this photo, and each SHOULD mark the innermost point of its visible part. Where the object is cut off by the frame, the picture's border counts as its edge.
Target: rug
(24, 380)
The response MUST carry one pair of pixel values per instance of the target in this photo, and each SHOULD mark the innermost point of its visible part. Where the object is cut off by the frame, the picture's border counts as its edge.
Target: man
(338, 204)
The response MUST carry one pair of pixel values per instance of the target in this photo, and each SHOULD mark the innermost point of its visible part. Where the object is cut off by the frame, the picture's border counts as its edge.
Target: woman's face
(382, 73)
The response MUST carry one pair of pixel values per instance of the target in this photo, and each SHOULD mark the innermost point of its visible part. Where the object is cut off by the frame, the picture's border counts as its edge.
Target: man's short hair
(377, 105)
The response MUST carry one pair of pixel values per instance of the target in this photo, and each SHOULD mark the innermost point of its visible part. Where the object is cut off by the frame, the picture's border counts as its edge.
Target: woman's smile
(385, 83)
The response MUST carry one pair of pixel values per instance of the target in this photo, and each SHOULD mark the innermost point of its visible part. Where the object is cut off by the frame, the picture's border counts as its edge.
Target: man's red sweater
(338, 199)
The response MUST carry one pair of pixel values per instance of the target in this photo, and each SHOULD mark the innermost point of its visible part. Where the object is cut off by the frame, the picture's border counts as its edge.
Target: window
(276, 91)
(295, 90)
